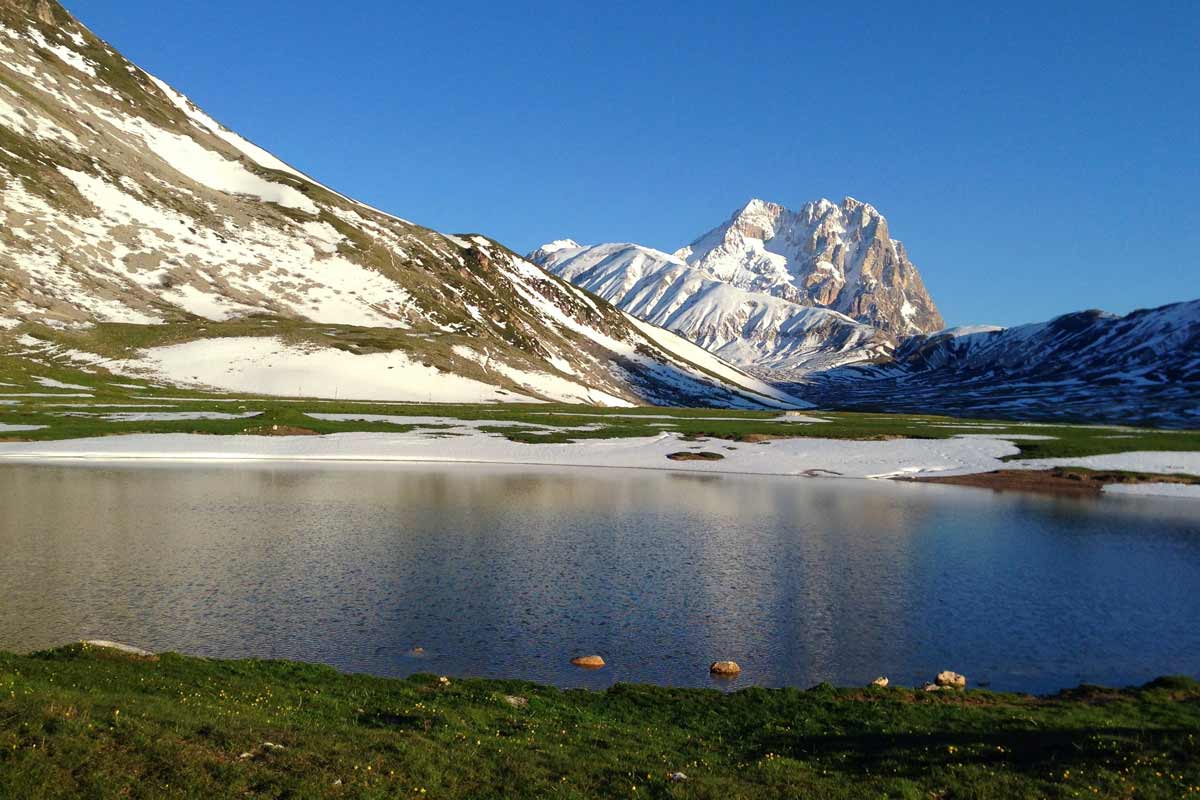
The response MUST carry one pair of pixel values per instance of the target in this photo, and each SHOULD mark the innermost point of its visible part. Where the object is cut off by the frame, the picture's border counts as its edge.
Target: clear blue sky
(1035, 158)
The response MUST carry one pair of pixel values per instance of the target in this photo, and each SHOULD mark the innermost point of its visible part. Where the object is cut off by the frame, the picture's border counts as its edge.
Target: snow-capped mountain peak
(556, 246)
(770, 283)
(752, 329)
(833, 255)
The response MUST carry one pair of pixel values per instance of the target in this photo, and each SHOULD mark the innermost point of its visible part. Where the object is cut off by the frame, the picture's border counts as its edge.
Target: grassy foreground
(85, 722)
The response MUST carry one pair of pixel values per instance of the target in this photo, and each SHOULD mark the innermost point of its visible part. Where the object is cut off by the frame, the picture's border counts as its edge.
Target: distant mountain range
(826, 304)
(1142, 368)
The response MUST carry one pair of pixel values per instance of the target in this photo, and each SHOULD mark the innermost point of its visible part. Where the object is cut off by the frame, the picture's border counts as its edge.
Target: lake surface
(510, 571)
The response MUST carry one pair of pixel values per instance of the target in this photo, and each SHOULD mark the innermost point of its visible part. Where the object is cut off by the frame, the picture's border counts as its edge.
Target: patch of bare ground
(703, 455)
(1074, 481)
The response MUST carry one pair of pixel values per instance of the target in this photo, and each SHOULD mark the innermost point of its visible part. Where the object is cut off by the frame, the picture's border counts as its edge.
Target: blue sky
(1035, 158)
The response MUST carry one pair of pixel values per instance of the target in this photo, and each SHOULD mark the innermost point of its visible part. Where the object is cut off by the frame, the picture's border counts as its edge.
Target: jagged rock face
(839, 257)
(122, 202)
(748, 328)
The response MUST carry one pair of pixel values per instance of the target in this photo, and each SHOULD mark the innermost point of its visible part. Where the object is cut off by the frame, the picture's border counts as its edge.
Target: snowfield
(266, 365)
(799, 456)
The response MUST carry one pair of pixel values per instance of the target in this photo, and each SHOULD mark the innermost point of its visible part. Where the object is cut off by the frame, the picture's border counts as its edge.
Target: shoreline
(975, 460)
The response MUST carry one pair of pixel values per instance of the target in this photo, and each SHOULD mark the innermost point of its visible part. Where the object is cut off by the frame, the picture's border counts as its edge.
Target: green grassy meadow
(86, 722)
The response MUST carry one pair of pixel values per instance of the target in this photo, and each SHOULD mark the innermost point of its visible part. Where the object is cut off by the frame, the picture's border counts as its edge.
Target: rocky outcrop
(43, 11)
(828, 255)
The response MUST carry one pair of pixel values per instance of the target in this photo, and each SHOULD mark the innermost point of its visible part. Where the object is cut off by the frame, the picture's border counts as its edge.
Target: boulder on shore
(950, 680)
(881, 682)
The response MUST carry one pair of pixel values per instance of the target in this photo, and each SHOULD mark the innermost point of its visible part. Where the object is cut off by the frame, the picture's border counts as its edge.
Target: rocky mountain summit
(827, 255)
(824, 303)
(123, 203)
(772, 290)
(753, 329)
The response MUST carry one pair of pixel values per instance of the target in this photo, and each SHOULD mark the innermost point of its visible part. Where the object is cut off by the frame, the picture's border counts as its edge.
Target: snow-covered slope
(1140, 368)
(122, 202)
(751, 329)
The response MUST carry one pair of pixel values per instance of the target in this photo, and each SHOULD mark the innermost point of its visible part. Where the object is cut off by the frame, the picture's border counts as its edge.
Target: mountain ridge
(124, 203)
(1138, 368)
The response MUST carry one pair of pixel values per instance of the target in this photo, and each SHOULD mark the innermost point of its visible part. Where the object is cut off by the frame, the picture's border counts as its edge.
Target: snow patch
(4, 428)
(1191, 491)
(267, 365)
(50, 383)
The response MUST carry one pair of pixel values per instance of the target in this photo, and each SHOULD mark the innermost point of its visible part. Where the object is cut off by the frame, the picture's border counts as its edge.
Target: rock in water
(588, 662)
(725, 669)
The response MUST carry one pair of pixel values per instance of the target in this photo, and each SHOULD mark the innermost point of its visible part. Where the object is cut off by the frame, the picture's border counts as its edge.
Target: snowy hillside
(122, 202)
(751, 329)
(1140, 368)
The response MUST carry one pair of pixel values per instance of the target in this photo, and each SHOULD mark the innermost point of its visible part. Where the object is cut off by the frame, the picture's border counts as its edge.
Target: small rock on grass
(515, 701)
(881, 682)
